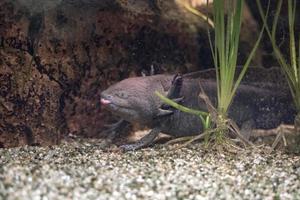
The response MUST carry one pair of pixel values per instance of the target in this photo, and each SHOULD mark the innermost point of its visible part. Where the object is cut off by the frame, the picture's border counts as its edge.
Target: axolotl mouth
(104, 101)
(108, 102)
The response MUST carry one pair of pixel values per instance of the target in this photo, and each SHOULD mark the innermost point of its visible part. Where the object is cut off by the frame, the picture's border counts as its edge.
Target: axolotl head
(133, 99)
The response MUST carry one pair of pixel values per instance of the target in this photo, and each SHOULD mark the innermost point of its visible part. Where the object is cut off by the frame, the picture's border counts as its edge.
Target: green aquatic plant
(291, 65)
(225, 51)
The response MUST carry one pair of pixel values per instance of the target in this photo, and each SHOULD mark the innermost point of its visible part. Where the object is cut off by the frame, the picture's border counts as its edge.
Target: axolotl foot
(145, 141)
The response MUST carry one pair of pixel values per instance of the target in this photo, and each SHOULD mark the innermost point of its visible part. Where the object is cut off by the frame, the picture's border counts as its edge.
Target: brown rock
(29, 103)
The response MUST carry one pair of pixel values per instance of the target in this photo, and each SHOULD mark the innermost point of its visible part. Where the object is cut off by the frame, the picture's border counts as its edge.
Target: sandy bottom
(81, 170)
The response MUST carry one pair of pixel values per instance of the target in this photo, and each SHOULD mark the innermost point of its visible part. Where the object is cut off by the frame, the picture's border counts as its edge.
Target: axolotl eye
(122, 95)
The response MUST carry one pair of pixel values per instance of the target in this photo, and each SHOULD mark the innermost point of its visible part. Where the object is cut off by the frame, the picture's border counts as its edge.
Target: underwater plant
(224, 48)
(291, 65)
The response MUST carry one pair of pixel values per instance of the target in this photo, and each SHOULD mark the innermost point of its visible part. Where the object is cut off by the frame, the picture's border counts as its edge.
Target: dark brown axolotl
(134, 100)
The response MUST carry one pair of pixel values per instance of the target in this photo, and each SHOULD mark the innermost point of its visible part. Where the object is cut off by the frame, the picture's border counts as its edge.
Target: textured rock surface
(29, 103)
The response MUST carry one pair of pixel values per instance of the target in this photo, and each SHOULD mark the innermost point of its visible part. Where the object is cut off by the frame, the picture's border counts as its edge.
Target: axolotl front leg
(164, 110)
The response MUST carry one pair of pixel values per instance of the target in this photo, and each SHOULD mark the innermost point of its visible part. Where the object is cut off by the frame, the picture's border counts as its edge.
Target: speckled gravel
(80, 170)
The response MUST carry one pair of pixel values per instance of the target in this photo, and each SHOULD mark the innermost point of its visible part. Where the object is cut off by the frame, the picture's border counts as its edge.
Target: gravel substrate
(80, 170)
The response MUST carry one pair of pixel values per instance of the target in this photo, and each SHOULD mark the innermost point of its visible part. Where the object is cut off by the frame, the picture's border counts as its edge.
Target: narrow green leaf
(291, 14)
(180, 107)
(276, 16)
